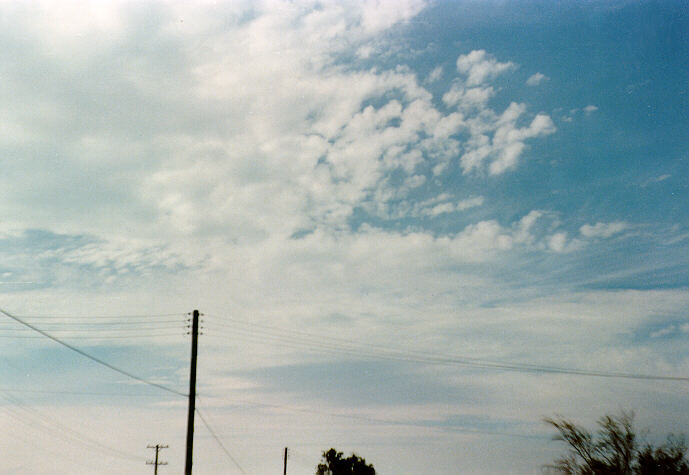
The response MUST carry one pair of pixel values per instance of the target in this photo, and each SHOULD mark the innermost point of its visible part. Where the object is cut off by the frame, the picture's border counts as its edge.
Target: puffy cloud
(381, 15)
(536, 79)
(506, 145)
(224, 152)
(493, 138)
(478, 67)
(468, 98)
(557, 241)
(228, 150)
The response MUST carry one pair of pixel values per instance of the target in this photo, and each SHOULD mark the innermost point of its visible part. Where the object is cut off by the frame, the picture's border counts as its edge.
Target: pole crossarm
(156, 462)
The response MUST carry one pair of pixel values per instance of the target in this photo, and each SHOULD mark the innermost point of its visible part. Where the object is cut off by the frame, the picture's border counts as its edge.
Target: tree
(614, 449)
(664, 460)
(332, 463)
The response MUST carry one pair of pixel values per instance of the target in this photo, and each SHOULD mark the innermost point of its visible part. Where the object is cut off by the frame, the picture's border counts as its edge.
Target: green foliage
(614, 450)
(334, 464)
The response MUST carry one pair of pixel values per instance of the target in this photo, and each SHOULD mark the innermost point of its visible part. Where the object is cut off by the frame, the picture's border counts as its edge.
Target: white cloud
(380, 15)
(536, 79)
(669, 330)
(481, 241)
(590, 109)
(435, 75)
(557, 242)
(468, 99)
(470, 203)
(657, 179)
(526, 224)
(450, 207)
(365, 52)
(233, 149)
(506, 145)
(415, 181)
(493, 138)
(184, 172)
(478, 67)
(233, 156)
(602, 230)
(441, 209)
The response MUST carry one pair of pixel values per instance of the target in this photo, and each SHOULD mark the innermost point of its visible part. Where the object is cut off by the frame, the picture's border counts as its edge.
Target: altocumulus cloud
(295, 166)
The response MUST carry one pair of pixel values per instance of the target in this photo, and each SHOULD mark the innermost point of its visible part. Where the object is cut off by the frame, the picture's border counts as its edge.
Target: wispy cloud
(435, 75)
(602, 230)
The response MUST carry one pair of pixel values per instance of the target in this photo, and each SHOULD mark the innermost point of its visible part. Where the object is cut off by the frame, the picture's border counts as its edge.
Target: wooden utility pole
(155, 463)
(284, 472)
(192, 393)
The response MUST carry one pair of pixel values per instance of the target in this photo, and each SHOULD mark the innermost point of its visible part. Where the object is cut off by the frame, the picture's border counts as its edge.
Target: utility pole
(284, 472)
(155, 464)
(192, 393)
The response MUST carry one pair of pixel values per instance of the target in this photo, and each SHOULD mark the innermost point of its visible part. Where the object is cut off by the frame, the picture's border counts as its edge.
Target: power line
(217, 439)
(50, 450)
(97, 330)
(327, 344)
(93, 358)
(103, 323)
(75, 317)
(73, 393)
(35, 418)
(81, 337)
(388, 422)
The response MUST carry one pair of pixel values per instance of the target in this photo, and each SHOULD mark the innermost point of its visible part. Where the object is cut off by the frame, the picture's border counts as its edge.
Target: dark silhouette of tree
(332, 463)
(613, 449)
(664, 460)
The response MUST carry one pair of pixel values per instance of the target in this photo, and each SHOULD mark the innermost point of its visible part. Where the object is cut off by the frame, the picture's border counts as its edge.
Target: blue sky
(350, 192)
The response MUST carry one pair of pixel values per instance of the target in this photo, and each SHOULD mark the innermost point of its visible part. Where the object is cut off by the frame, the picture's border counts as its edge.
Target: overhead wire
(93, 333)
(101, 337)
(93, 358)
(314, 342)
(31, 416)
(219, 442)
(101, 323)
(74, 393)
(87, 465)
(91, 317)
(388, 422)
(91, 328)
(40, 421)
(331, 345)
(97, 330)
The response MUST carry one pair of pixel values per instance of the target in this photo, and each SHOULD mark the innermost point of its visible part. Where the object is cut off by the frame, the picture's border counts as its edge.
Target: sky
(414, 229)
